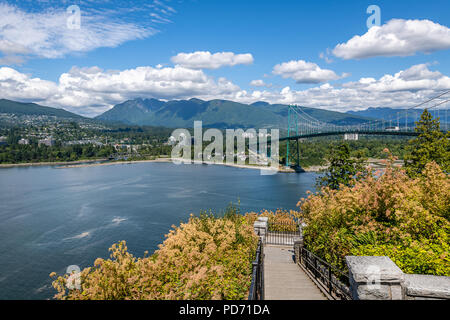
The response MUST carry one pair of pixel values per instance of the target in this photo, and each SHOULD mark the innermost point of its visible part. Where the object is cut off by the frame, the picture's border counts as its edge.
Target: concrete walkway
(283, 279)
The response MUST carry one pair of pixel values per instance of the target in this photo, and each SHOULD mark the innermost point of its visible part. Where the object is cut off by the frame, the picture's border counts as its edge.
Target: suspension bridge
(302, 125)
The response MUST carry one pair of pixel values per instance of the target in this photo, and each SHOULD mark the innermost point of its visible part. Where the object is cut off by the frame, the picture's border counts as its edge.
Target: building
(392, 129)
(351, 137)
(3, 141)
(24, 141)
(83, 142)
(49, 142)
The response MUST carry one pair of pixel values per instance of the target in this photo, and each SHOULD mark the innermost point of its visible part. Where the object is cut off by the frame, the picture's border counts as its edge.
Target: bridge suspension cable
(310, 126)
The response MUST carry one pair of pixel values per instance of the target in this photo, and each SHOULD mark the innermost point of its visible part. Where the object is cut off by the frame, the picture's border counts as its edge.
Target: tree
(343, 168)
(431, 145)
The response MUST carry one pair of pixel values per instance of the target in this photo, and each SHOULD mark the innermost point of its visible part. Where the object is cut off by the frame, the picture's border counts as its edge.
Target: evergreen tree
(430, 145)
(342, 168)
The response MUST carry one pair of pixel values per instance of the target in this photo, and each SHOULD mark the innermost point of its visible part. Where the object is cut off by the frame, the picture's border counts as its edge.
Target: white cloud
(206, 60)
(418, 72)
(260, 83)
(90, 91)
(397, 37)
(416, 78)
(305, 72)
(18, 86)
(325, 56)
(11, 59)
(403, 89)
(46, 34)
(156, 18)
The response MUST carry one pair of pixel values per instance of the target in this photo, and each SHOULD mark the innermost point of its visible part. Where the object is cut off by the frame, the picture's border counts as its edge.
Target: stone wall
(426, 287)
(379, 278)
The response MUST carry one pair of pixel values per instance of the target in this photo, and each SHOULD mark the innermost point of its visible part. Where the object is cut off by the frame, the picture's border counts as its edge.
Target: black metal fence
(330, 279)
(257, 285)
(282, 233)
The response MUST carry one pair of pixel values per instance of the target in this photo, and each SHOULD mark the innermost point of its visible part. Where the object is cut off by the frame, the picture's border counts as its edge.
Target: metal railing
(330, 279)
(257, 284)
(282, 233)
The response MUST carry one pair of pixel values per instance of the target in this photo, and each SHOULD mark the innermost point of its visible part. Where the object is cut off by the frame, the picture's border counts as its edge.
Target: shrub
(280, 220)
(207, 258)
(390, 214)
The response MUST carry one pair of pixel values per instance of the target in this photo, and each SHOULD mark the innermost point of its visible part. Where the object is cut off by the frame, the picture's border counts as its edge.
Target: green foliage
(430, 145)
(16, 153)
(214, 113)
(313, 151)
(343, 169)
(151, 141)
(427, 257)
(392, 214)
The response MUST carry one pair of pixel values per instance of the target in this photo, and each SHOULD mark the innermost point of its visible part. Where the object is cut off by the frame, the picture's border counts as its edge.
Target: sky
(87, 55)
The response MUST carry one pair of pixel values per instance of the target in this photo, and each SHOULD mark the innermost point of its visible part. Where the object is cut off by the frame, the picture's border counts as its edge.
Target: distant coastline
(166, 160)
(58, 163)
(374, 163)
(105, 162)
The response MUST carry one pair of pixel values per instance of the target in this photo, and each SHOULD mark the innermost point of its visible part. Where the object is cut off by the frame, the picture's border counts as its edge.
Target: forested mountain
(391, 114)
(215, 113)
(32, 109)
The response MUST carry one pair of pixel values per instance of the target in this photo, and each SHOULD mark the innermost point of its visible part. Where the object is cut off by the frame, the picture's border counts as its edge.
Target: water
(53, 218)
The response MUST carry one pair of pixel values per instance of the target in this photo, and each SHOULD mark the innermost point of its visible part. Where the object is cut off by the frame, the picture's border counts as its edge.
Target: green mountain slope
(19, 108)
(401, 115)
(214, 113)
(135, 111)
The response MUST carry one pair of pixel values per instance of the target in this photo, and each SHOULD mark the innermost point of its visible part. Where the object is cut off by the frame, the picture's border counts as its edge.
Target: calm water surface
(51, 218)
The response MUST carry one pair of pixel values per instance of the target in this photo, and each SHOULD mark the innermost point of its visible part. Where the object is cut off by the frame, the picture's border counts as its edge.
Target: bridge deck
(362, 132)
(283, 279)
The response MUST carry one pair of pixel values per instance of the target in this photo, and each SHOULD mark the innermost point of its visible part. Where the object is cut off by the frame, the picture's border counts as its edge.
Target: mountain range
(403, 115)
(390, 114)
(215, 113)
(33, 109)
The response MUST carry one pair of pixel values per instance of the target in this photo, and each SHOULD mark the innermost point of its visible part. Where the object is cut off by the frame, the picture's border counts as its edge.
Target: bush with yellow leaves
(205, 258)
(385, 214)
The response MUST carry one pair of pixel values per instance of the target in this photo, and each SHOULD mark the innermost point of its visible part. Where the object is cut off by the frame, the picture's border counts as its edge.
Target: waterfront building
(24, 141)
(3, 140)
(49, 142)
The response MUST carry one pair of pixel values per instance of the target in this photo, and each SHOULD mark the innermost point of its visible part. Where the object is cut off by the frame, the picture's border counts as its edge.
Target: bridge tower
(288, 135)
(292, 123)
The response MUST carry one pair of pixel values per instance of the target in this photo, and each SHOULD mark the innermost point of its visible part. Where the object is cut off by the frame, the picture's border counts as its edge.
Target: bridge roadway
(284, 279)
(367, 132)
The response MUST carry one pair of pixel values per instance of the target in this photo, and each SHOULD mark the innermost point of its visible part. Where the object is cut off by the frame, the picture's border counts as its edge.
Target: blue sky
(314, 53)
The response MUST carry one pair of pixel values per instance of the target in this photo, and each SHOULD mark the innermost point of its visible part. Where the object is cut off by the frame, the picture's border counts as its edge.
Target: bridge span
(364, 132)
(302, 125)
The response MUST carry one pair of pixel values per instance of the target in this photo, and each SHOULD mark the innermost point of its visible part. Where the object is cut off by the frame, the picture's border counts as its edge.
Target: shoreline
(96, 162)
(374, 163)
(170, 160)
(58, 163)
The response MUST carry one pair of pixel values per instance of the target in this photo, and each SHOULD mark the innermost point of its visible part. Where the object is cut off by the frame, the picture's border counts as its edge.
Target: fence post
(374, 278)
(261, 228)
(330, 287)
(298, 244)
(297, 250)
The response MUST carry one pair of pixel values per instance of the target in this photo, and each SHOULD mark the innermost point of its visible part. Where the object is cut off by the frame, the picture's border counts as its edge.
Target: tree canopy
(343, 168)
(431, 145)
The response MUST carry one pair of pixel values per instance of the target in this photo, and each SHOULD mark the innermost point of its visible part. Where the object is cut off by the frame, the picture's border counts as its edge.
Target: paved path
(283, 279)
